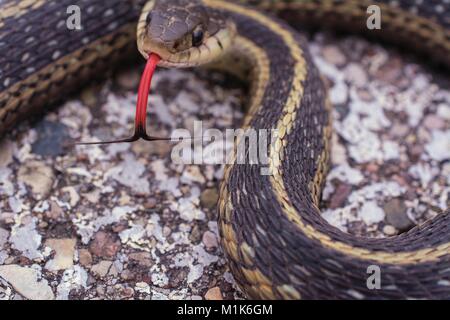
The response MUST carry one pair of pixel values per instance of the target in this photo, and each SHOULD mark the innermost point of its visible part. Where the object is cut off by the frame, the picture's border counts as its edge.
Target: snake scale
(276, 243)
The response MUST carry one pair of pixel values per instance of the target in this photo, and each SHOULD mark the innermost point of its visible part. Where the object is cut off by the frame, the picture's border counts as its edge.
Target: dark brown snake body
(276, 242)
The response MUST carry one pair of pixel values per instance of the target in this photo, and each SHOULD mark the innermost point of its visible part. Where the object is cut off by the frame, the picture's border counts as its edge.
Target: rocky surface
(126, 222)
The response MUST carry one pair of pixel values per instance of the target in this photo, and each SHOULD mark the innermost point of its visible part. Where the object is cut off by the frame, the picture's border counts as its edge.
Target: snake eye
(197, 37)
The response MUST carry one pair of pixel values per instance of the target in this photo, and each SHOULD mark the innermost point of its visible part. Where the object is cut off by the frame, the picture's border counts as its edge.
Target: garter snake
(276, 243)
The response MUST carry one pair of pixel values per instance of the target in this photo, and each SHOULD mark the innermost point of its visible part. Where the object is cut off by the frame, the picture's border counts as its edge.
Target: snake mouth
(211, 49)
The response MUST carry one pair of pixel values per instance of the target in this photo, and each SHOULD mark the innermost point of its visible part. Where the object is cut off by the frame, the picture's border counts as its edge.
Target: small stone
(101, 269)
(396, 216)
(6, 152)
(85, 257)
(105, 245)
(193, 173)
(399, 130)
(356, 74)
(64, 252)
(25, 282)
(51, 138)
(371, 213)
(333, 55)
(390, 72)
(214, 294)
(127, 275)
(439, 147)
(4, 234)
(38, 176)
(432, 122)
(195, 235)
(443, 111)
(55, 211)
(89, 96)
(150, 203)
(208, 198)
(142, 258)
(26, 239)
(340, 195)
(209, 240)
(389, 230)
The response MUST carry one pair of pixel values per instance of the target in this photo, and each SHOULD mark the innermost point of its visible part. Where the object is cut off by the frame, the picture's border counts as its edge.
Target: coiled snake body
(276, 243)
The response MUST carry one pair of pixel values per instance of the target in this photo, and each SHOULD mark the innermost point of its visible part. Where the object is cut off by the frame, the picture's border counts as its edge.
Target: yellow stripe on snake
(277, 244)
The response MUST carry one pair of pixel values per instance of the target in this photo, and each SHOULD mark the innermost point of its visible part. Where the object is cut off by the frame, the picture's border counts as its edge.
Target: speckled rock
(210, 240)
(142, 258)
(38, 176)
(209, 197)
(340, 195)
(85, 257)
(4, 234)
(396, 215)
(214, 294)
(6, 154)
(27, 282)
(64, 253)
(26, 239)
(102, 268)
(51, 138)
(105, 245)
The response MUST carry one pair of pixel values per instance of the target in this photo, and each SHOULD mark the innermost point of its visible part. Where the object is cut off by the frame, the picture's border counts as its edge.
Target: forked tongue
(140, 123)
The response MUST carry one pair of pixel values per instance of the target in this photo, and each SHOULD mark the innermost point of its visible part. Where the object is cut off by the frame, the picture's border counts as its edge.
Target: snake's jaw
(211, 49)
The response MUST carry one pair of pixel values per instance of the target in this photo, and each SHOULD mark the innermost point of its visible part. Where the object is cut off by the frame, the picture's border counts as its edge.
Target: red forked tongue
(140, 125)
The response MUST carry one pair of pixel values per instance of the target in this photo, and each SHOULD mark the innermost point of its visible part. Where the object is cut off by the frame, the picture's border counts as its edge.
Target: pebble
(193, 173)
(38, 176)
(6, 152)
(210, 240)
(64, 253)
(85, 257)
(55, 211)
(333, 55)
(26, 282)
(340, 195)
(396, 215)
(389, 230)
(355, 74)
(27, 240)
(439, 147)
(89, 96)
(214, 294)
(433, 122)
(101, 269)
(51, 138)
(4, 234)
(399, 130)
(208, 198)
(143, 258)
(105, 245)
(195, 235)
(371, 213)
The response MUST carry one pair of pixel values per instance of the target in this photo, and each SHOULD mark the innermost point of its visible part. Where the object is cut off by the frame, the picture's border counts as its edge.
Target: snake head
(184, 33)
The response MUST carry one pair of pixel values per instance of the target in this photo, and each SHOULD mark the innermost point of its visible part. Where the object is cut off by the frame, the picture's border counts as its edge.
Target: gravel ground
(123, 221)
